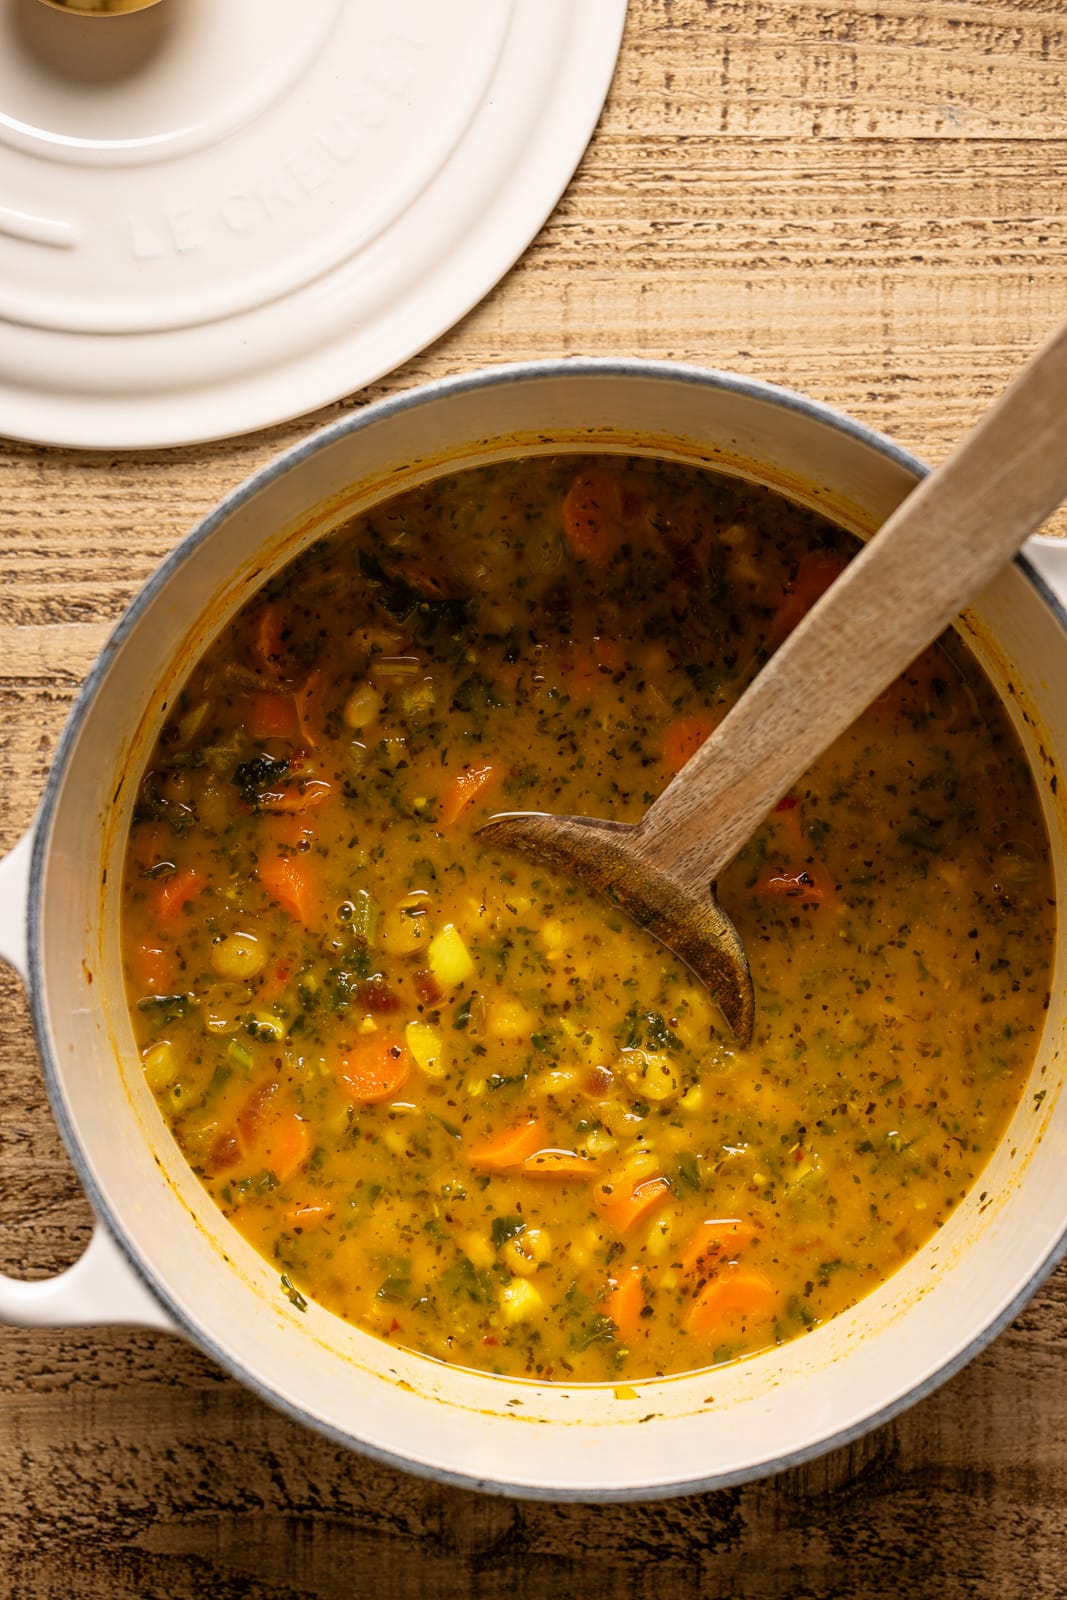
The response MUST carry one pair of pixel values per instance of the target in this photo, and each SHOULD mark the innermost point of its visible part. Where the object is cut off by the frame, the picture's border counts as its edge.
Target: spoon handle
(951, 535)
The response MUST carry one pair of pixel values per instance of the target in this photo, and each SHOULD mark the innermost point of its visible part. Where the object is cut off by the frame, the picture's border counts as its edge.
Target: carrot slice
(683, 737)
(623, 1206)
(272, 1136)
(290, 881)
(815, 575)
(509, 1149)
(625, 1303)
(592, 511)
(727, 1302)
(716, 1240)
(152, 968)
(176, 892)
(463, 789)
(150, 844)
(253, 1115)
(560, 1164)
(374, 1068)
(272, 716)
(286, 1145)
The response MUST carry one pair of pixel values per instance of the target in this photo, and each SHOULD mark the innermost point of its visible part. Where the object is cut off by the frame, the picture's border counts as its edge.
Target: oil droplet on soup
(463, 1103)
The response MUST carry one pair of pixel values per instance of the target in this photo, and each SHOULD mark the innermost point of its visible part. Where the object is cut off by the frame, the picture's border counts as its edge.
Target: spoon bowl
(949, 538)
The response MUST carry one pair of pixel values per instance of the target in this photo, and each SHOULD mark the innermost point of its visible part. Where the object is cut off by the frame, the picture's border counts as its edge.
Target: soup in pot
(463, 1102)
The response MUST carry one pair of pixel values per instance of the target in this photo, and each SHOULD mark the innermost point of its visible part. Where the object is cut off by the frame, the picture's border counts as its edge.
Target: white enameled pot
(162, 1255)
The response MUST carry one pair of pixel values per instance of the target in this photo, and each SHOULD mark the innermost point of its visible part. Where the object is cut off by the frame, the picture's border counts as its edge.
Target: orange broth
(462, 1102)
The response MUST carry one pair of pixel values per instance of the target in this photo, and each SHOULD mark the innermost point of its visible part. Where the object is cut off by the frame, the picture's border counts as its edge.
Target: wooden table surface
(866, 201)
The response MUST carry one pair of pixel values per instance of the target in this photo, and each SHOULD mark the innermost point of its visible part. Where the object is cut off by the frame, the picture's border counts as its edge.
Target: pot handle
(1048, 555)
(101, 1286)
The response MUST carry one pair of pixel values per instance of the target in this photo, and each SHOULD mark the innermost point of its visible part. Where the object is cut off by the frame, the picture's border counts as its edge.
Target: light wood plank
(867, 202)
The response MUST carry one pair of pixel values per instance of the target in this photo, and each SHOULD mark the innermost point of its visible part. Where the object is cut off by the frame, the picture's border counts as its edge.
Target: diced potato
(553, 935)
(696, 1019)
(396, 1142)
(160, 1066)
(520, 1301)
(213, 807)
(239, 955)
(478, 1250)
(557, 1080)
(362, 707)
(672, 1138)
(419, 699)
(427, 1048)
(660, 1236)
(509, 1019)
(617, 1119)
(693, 1098)
(639, 1163)
(448, 957)
(599, 1143)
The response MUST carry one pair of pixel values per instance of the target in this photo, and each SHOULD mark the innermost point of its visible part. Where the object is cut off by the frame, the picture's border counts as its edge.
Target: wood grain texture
(865, 201)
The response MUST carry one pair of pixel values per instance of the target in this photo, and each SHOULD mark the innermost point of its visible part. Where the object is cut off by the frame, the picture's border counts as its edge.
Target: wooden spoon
(951, 535)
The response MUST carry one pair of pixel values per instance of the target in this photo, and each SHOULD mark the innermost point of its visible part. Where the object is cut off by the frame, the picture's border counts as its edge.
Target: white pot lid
(215, 217)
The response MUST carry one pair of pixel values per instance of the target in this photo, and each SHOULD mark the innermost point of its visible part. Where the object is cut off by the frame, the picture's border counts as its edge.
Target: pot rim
(277, 467)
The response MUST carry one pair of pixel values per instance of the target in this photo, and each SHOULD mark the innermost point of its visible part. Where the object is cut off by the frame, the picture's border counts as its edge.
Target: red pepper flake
(787, 803)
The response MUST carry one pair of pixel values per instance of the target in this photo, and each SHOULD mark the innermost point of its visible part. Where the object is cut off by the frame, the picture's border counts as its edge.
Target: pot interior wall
(704, 1429)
